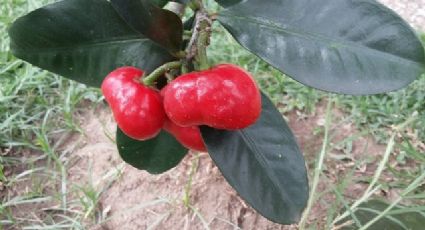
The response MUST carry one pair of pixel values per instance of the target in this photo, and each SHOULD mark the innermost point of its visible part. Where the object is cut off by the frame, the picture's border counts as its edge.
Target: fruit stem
(160, 71)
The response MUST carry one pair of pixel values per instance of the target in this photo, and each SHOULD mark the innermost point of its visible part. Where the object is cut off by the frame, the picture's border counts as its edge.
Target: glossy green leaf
(160, 25)
(155, 155)
(264, 164)
(82, 40)
(400, 217)
(342, 46)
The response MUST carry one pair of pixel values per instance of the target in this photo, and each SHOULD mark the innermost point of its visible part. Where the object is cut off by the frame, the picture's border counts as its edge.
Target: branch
(200, 39)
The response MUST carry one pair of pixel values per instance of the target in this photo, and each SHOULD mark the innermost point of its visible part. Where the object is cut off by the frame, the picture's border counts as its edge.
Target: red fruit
(223, 97)
(137, 108)
(190, 137)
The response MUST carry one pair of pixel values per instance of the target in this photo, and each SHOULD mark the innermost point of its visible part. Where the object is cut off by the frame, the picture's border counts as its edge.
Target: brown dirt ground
(128, 198)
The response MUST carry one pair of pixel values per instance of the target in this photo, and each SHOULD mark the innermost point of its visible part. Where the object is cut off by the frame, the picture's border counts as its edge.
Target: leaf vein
(324, 39)
(80, 45)
(262, 161)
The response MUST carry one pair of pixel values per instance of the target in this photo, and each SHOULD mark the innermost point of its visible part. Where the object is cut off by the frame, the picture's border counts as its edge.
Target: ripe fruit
(190, 137)
(223, 97)
(137, 108)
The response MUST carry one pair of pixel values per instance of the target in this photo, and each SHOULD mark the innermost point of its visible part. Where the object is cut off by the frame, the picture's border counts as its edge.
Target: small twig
(191, 48)
(199, 41)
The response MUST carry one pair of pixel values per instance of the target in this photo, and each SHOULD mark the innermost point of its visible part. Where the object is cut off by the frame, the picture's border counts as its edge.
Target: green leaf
(227, 3)
(160, 3)
(180, 1)
(155, 155)
(400, 217)
(188, 24)
(342, 46)
(82, 40)
(160, 25)
(264, 164)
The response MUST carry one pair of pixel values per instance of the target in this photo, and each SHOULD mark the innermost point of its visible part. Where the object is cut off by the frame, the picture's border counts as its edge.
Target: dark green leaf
(180, 1)
(343, 46)
(188, 24)
(82, 40)
(400, 217)
(156, 155)
(160, 3)
(162, 26)
(227, 3)
(264, 164)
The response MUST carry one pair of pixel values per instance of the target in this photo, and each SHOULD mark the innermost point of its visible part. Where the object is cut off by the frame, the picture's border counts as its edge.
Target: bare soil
(138, 200)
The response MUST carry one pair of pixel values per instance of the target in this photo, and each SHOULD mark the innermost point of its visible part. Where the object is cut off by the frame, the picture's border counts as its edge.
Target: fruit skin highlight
(137, 108)
(223, 97)
(190, 137)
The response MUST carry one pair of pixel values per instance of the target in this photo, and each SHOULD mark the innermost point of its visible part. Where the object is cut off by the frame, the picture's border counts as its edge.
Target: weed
(37, 110)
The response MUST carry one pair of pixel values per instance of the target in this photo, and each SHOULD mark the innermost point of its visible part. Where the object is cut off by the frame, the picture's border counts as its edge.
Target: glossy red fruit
(223, 97)
(190, 137)
(137, 108)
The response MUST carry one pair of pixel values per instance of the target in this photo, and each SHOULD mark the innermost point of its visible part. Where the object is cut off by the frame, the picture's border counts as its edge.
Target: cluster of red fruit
(223, 97)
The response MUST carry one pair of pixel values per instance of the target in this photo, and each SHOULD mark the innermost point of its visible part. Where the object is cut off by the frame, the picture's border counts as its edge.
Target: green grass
(38, 113)
(39, 110)
(378, 113)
